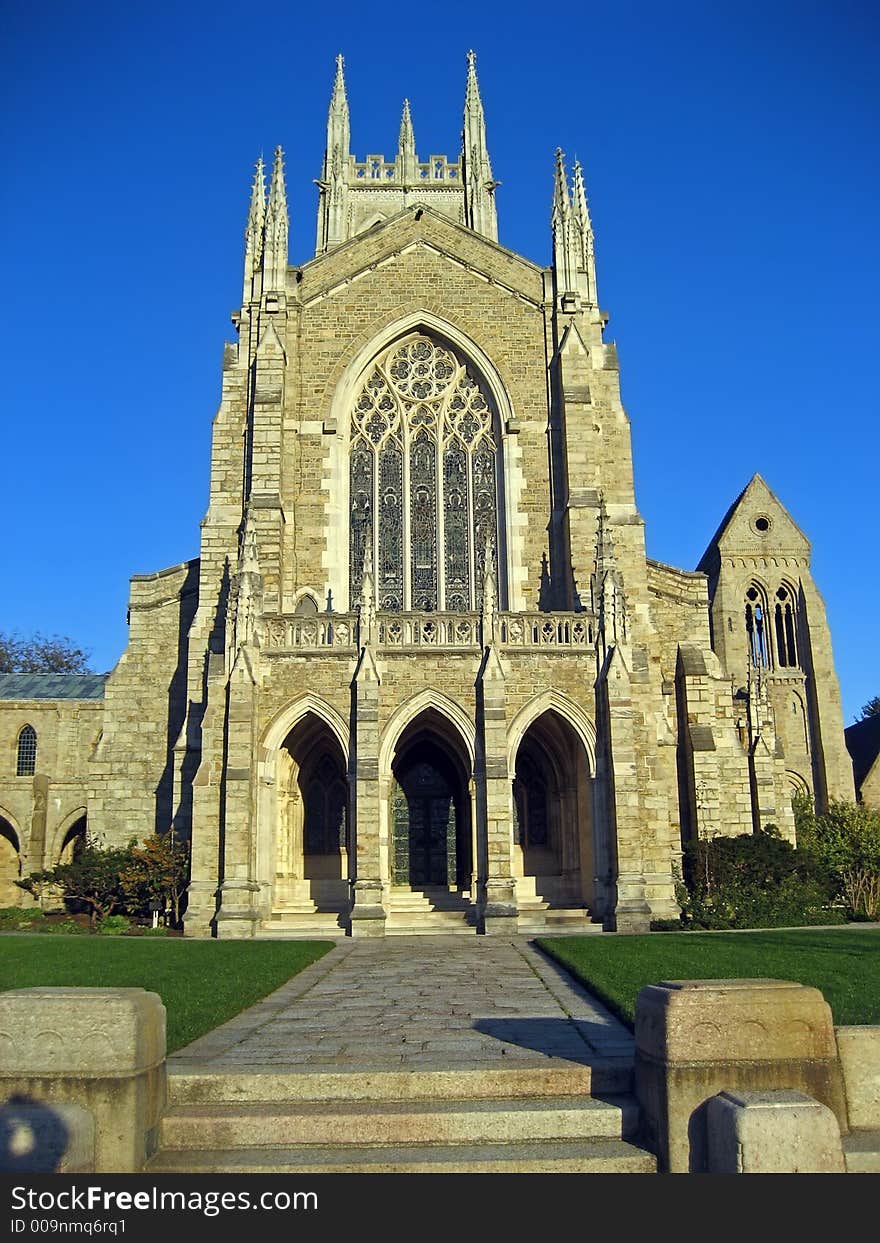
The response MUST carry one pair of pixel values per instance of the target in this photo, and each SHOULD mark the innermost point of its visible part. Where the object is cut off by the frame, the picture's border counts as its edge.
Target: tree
(93, 877)
(41, 654)
(158, 871)
(871, 708)
(846, 842)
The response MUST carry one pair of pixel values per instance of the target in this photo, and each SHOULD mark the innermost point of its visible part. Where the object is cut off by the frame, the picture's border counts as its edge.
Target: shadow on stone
(553, 1037)
(33, 1137)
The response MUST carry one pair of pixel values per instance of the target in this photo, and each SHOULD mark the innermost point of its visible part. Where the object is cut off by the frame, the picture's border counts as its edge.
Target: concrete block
(779, 1132)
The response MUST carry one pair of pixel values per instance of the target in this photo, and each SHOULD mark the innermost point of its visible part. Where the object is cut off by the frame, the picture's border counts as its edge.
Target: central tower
(356, 195)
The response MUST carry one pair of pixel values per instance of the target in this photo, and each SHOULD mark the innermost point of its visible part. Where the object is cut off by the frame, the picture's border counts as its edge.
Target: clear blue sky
(730, 151)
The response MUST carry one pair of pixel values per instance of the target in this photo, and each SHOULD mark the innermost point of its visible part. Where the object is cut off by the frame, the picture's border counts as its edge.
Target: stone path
(417, 1003)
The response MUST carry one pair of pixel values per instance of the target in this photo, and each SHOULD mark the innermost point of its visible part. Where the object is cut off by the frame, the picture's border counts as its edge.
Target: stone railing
(418, 631)
(377, 168)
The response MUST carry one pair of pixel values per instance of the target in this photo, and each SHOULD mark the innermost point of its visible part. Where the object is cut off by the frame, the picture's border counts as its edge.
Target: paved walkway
(417, 1003)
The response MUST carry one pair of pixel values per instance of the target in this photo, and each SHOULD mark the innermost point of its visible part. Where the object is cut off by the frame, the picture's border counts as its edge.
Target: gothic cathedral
(423, 676)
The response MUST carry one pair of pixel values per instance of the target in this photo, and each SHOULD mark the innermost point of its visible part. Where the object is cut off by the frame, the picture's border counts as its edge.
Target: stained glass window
(423, 470)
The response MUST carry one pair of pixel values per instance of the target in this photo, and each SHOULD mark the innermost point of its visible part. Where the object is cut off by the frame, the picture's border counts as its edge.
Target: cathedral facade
(423, 675)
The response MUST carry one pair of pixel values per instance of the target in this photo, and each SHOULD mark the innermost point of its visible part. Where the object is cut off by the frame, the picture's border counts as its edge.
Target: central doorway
(430, 829)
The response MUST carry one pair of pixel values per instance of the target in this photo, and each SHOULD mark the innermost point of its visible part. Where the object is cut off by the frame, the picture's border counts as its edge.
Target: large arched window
(26, 765)
(423, 479)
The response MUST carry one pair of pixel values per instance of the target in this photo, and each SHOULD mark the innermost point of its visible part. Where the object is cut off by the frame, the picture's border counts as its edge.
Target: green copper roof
(52, 685)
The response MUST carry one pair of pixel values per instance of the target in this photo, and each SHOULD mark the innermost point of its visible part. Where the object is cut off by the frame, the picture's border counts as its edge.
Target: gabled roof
(413, 226)
(740, 529)
(52, 685)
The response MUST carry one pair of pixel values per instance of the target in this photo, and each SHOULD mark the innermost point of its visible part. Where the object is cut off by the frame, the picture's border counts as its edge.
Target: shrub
(158, 871)
(20, 919)
(113, 925)
(753, 881)
(844, 842)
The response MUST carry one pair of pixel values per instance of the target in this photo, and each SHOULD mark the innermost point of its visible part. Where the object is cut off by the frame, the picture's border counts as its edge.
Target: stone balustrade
(339, 632)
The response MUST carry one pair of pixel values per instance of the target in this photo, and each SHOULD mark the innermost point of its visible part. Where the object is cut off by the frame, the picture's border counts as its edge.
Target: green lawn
(843, 963)
(202, 983)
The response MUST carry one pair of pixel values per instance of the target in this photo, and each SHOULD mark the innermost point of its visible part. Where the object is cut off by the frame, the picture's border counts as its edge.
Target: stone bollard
(102, 1049)
(695, 1038)
(778, 1132)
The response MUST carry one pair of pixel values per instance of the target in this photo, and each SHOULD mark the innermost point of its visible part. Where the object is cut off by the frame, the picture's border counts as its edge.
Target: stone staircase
(316, 909)
(522, 1120)
(545, 907)
(429, 911)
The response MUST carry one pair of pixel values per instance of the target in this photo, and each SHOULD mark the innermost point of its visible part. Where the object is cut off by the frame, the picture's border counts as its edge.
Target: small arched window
(784, 628)
(27, 752)
(756, 628)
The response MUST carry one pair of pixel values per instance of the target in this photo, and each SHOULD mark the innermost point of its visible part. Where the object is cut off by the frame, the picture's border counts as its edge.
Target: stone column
(204, 880)
(368, 912)
(239, 912)
(496, 886)
(631, 911)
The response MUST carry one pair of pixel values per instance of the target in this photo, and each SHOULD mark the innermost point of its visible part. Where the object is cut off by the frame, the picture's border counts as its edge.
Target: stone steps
(527, 1120)
(370, 1123)
(553, 1157)
(429, 911)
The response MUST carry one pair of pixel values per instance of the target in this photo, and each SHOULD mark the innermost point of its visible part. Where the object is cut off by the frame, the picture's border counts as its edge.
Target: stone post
(777, 1132)
(101, 1049)
(696, 1038)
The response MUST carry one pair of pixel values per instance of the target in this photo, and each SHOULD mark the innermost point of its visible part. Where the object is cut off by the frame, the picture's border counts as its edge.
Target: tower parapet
(356, 194)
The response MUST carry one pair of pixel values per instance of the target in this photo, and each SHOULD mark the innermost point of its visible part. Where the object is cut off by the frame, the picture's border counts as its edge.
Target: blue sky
(730, 155)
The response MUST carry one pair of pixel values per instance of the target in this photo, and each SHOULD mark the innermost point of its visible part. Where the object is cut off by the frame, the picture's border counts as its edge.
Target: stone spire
(609, 600)
(275, 256)
(479, 185)
(407, 160)
(566, 251)
(368, 594)
(584, 225)
(333, 183)
(253, 234)
(247, 589)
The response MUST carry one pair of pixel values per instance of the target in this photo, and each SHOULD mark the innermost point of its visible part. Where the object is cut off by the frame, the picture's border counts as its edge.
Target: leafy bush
(20, 919)
(845, 844)
(753, 881)
(114, 925)
(158, 871)
(92, 879)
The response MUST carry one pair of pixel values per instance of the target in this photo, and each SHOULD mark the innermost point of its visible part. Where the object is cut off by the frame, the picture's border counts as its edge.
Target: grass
(843, 963)
(202, 983)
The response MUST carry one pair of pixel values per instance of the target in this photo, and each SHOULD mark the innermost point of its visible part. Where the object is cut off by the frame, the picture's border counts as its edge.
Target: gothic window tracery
(756, 615)
(423, 480)
(784, 625)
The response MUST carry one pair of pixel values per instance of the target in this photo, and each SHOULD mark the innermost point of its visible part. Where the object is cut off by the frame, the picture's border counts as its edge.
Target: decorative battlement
(377, 168)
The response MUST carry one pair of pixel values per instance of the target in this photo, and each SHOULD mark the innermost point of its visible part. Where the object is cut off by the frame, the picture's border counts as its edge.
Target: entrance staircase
(429, 910)
(545, 907)
(523, 1120)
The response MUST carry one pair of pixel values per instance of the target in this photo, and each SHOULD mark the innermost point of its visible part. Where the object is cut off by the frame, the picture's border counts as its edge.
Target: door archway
(430, 833)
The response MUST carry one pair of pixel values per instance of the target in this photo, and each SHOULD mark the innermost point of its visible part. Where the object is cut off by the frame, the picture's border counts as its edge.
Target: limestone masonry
(423, 673)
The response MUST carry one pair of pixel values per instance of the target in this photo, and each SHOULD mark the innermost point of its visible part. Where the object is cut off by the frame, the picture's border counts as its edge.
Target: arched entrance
(312, 820)
(430, 829)
(552, 802)
(73, 841)
(10, 866)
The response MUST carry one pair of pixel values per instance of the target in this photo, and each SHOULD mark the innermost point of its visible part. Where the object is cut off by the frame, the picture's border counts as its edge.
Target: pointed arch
(572, 713)
(69, 826)
(285, 720)
(411, 709)
(347, 383)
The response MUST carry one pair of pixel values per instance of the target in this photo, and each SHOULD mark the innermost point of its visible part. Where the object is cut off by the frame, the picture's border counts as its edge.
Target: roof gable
(756, 525)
